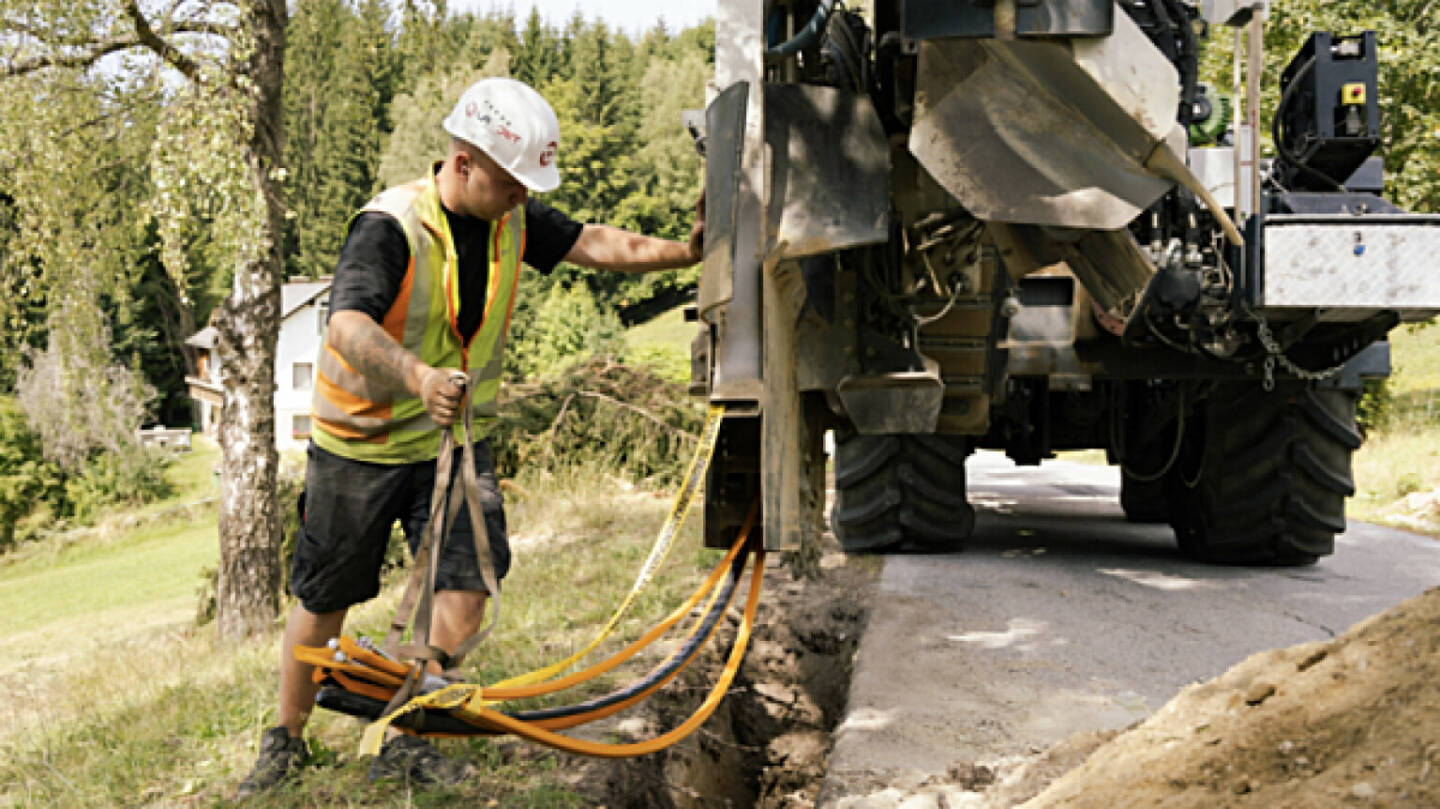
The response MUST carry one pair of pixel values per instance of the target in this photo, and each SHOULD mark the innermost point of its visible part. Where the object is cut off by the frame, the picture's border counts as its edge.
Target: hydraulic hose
(712, 700)
(370, 704)
(808, 35)
(491, 722)
(661, 673)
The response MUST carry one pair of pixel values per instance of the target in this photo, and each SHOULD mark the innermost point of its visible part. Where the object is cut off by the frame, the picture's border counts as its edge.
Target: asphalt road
(1061, 617)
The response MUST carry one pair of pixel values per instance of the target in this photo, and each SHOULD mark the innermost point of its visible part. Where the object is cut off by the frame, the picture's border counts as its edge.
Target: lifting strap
(444, 507)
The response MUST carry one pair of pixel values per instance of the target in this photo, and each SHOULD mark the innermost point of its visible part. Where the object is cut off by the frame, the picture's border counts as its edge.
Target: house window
(303, 374)
(322, 314)
(300, 427)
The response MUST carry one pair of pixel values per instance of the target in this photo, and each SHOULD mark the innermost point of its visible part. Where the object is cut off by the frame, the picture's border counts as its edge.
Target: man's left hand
(697, 231)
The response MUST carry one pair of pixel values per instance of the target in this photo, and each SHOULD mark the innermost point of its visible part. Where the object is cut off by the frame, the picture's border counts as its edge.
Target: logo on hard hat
(547, 155)
(472, 110)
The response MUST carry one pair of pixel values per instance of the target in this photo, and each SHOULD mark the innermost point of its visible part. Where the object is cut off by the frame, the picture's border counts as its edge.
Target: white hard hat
(512, 123)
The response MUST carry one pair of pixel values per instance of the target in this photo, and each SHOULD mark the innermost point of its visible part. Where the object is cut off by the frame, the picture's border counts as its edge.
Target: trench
(767, 743)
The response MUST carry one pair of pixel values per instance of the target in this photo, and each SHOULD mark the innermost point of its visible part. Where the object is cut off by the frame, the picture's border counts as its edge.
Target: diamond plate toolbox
(1339, 262)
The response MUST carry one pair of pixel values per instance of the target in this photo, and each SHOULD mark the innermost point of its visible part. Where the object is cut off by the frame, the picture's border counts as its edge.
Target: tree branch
(158, 45)
(640, 410)
(83, 58)
(89, 50)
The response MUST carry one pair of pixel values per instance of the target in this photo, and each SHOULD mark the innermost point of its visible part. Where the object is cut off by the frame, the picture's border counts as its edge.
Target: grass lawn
(119, 699)
(63, 599)
(1402, 456)
(663, 344)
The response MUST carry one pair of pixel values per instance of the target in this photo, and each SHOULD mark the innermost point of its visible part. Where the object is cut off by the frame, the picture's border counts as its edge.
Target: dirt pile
(1354, 721)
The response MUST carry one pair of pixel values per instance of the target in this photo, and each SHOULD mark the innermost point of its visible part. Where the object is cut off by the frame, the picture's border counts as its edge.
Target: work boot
(281, 758)
(419, 763)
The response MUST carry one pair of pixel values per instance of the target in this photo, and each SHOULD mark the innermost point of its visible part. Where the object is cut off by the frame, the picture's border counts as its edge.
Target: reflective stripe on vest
(361, 419)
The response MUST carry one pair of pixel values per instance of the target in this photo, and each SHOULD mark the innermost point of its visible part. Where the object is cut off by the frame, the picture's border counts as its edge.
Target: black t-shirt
(375, 256)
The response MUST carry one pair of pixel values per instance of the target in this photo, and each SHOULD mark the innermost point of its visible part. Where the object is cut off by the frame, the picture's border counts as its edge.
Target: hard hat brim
(541, 180)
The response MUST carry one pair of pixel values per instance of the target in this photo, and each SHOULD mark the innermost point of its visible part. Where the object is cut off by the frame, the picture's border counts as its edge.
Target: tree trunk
(247, 596)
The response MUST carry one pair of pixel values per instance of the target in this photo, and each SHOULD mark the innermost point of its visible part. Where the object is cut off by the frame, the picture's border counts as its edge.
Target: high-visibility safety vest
(364, 420)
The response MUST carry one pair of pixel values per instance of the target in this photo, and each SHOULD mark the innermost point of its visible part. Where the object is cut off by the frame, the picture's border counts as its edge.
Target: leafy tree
(539, 53)
(217, 150)
(419, 139)
(85, 409)
(344, 69)
(566, 326)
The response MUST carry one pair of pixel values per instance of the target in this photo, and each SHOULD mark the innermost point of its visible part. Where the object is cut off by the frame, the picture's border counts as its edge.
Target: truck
(938, 226)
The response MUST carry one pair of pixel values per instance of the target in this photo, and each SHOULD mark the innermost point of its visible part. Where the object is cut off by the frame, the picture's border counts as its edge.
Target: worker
(424, 286)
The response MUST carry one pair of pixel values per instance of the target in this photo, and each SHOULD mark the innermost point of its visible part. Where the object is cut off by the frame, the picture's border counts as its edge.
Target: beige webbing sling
(444, 507)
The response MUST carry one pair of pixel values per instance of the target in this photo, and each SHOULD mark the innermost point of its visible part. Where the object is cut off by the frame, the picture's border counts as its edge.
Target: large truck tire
(1144, 501)
(900, 490)
(1274, 472)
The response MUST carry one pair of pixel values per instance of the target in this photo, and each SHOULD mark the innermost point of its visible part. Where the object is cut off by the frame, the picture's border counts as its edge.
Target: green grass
(663, 344)
(1401, 456)
(123, 702)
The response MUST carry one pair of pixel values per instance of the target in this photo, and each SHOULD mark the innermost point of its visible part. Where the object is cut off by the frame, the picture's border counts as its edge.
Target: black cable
(430, 720)
(677, 659)
(1275, 134)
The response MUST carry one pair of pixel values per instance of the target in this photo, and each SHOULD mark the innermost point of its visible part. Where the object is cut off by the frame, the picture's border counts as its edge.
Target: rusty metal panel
(1347, 263)
(1046, 132)
(725, 142)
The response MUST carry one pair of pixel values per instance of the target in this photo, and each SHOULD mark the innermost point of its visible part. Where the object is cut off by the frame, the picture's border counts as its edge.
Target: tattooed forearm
(372, 352)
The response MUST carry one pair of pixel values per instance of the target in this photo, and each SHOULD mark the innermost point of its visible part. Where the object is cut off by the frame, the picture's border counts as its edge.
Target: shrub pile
(598, 412)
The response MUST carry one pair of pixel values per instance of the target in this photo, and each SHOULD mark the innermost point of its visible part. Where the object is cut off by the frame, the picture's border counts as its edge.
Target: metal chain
(1276, 354)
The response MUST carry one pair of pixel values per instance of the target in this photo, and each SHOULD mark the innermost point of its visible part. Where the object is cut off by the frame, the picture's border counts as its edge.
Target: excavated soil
(1350, 722)
(1353, 721)
(767, 742)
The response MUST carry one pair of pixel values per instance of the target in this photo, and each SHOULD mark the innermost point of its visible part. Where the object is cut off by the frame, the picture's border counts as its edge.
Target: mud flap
(900, 402)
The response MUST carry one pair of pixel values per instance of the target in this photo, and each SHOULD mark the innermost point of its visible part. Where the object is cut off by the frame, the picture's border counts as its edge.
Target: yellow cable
(601, 750)
(468, 698)
(694, 477)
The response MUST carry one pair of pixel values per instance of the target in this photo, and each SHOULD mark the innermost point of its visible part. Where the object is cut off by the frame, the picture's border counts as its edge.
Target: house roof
(296, 294)
(293, 295)
(205, 338)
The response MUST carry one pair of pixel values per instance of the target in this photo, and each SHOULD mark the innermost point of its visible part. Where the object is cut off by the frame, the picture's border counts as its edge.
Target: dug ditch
(768, 741)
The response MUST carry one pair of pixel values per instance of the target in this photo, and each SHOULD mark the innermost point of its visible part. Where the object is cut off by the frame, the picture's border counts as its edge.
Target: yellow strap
(694, 477)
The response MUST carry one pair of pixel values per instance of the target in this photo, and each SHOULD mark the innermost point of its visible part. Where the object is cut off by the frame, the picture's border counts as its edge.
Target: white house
(304, 307)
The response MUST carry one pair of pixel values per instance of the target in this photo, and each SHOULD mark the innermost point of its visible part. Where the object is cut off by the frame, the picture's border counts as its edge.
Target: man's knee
(466, 604)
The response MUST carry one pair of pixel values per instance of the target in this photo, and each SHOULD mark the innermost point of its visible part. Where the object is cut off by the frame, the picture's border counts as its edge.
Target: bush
(565, 327)
(602, 413)
(1376, 405)
(130, 477)
(27, 480)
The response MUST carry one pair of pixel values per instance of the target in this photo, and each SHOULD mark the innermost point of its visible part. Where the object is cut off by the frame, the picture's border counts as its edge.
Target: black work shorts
(346, 513)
